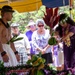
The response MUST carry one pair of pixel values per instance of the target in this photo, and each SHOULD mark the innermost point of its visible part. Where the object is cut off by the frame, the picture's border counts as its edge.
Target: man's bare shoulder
(1, 26)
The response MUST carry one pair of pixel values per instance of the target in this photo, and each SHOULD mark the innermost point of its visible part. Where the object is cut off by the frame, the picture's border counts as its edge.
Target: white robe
(12, 58)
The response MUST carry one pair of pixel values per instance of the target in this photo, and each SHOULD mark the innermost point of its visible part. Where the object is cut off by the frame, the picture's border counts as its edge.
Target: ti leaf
(39, 72)
(15, 38)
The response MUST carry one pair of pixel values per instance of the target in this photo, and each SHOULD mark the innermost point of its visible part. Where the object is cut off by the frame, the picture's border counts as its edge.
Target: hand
(18, 57)
(43, 51)
(5, 58)
(29, 57)
(64, 38)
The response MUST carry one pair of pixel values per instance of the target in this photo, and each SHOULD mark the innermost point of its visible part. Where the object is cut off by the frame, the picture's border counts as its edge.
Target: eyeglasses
(40, 25)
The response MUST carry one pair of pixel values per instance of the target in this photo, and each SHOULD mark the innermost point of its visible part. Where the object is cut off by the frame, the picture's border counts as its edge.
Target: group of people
(35, 40)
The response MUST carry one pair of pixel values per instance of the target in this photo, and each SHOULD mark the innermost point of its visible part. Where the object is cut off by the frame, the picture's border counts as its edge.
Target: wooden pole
(71, 6)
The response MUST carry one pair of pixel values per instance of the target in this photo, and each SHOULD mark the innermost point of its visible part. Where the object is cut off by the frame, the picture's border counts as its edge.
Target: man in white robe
(8, 53)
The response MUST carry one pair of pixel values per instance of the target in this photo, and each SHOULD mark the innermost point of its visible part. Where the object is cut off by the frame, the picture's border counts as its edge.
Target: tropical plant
(37, 63)
(15, 38)
(51, 18)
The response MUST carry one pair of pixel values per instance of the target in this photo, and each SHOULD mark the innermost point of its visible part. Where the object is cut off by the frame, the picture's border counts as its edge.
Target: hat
(6, 8)
(30, 24)
(14, 25)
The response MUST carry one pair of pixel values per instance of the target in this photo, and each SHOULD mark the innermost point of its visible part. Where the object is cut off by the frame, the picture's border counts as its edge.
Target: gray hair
(40, 21)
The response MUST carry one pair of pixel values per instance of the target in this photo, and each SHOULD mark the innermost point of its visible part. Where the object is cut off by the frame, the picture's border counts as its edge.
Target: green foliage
(37, 63)
(2, 68)
(15, 38)
(52, 41)
(25, 17)
(36, 60)
(13, 74)
(39, 72)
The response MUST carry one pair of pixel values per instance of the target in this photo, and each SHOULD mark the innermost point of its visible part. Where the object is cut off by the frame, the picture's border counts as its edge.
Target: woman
(23, 45)
(67, 33)
(58, 51)
(32, 27)
(40, 41)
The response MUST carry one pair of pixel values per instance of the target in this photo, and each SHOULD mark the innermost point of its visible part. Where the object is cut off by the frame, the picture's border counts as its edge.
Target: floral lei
(65, 32)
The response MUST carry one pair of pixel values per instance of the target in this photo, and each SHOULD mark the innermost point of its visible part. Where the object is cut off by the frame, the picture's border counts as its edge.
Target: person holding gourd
(67, 33)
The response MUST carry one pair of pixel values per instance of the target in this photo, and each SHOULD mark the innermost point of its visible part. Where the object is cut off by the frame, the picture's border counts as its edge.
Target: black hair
(68, 20)
(59, 30)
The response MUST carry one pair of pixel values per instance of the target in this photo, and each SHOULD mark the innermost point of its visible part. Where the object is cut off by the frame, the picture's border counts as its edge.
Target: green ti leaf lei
(15, 38)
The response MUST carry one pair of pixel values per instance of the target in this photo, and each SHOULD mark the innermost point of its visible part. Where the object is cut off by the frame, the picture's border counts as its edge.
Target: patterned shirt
(40, 41)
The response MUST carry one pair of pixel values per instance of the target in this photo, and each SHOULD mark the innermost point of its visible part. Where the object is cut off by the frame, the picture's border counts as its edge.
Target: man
(32, 27)
(8, 53)
(22, 46)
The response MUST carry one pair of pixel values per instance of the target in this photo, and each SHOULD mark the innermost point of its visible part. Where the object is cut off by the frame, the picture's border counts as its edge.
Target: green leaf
(34, 58)
(14, 39)
(29, 62)
(52, 41)
(39, 54)
(52, 34)
(13, 74)
(39, 72)
(20, 38)
(69, 74)
(43, 60)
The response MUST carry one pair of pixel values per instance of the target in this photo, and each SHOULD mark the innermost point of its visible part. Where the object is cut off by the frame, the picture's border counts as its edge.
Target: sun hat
(14, 25)
(31, 23)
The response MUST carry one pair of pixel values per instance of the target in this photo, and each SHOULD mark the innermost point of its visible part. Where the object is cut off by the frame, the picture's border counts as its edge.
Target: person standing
(40, 39)
(67, 33)
(23, 45)
(32, 27)
(8, 53)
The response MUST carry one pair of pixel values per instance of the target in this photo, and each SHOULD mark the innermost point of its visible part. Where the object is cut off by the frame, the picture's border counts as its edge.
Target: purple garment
(56, 50)
(29, 35)
(69, 52)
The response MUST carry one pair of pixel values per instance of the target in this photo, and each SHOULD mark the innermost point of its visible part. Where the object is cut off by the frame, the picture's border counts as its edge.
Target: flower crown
(63, 20)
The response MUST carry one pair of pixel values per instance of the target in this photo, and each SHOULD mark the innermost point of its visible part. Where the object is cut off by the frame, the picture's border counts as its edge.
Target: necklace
(67, 41)
(65, 30)
(6, 25)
